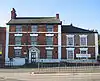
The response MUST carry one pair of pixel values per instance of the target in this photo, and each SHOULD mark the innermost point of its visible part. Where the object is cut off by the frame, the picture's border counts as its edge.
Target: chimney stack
(57, 16)
(13, 13)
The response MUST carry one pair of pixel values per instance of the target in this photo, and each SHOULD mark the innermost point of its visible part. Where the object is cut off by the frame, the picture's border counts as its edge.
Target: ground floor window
(17, 52)
(49, 54)
(70, 54)
(83, 52)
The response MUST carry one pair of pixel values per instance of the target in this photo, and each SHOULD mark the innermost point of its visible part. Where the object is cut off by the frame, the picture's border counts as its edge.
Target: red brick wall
(11, 51)
(55, 53)
(3, 43)
(64, 55)
(41, 39)
(91, 51)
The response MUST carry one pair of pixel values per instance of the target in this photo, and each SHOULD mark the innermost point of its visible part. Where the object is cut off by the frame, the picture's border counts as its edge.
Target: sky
(81, 13)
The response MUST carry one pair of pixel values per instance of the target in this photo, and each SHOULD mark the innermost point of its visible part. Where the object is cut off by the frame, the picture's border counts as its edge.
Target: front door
(33, 56)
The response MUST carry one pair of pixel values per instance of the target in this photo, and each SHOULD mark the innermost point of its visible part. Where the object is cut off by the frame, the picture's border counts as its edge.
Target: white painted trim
(18, 34)
(96, 45)
(83, 35)
(49, 48)
(30, 51)
(80, 39)
(67, 39)
(7, 43)
(70, 35)
(59, 42)
(35, 45)
(70, 48)
(17, 47)
(83, 48)
(78, 46)
(49, 34)
(33, 34)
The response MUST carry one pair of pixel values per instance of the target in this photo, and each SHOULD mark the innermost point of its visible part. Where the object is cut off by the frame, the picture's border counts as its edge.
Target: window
(70, 40)
(34, 28)
(18, 28)
(33, 40)
(49, 28)
(83, 51)
(18, 40)
(83, 40)
(49, 54)
(70, 54)
(17, 52)
(49, 40)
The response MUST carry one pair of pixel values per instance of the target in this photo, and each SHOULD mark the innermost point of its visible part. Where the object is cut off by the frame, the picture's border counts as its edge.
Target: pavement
(28, 75)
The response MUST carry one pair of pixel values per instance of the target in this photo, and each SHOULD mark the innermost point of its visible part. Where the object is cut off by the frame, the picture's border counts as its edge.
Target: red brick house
(2, 45)
(33, 39)
(45, 39)
(79, 45)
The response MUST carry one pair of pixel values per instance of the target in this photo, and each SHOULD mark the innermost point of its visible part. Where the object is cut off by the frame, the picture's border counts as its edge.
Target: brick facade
(2, 44)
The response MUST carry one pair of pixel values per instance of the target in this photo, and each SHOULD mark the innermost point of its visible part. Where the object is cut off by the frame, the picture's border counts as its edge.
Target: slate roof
(34, 20)
(73, 29)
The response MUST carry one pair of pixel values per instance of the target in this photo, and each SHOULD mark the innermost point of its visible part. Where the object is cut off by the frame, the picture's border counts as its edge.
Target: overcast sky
(81, 13)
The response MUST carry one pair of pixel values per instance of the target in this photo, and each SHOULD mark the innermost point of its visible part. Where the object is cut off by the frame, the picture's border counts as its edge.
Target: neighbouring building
(79, 45)
(2, 45)
(34, 39)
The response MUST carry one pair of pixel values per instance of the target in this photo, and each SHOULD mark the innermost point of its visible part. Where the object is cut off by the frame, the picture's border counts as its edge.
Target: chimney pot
(57, 16)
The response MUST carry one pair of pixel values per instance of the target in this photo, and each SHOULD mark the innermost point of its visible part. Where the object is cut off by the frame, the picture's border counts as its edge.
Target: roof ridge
(34, 17)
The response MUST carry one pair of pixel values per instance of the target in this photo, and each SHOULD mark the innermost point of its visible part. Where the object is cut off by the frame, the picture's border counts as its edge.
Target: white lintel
(17, 47)
(33, 34)
(49, 34)
(18, 34)
(49, 48)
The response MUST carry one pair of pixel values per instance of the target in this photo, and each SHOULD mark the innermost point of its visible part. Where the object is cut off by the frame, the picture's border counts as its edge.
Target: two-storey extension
(79, 45)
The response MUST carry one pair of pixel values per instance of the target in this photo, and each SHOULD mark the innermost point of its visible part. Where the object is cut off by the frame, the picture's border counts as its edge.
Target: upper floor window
(70, 40)
(18, 28)
(83, 40)
(18, 40)
(49, 28)
(17, 52)
(34, 28)
(33, 40)
(49, 40)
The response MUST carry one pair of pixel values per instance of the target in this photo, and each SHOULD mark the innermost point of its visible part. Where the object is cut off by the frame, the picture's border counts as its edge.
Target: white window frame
(49, 49)
(70, 49)
(84, 49)
(67, 39)
(80, 39)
